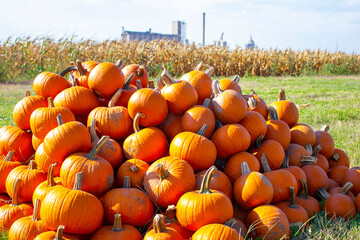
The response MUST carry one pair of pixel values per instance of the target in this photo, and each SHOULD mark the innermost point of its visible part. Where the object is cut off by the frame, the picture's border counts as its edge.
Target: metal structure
(203, 29)
(221, 42)
(250, 44)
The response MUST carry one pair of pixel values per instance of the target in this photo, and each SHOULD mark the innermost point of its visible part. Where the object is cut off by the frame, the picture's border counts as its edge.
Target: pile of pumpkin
(105, 155)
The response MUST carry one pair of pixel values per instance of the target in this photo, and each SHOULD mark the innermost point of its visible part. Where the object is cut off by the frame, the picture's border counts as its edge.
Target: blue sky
(274, 23)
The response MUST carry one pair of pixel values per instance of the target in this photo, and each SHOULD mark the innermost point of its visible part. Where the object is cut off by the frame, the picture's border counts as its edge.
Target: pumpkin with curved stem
(179, 95)
(117, 231)
(228, 106)
(16, 140)
(6, 166)
(326, 141)
(25, 107)
(269, 222)
(31, 177)
(233, 168)
(28, 227)
(134, 205)
(316, 178)
(161, 231)
(135, 169)
(281, 180)
(9, 213)
(321, 160)
(277, 129)
(338, 174)
(287, 110)
(230, 84)
(272, 149)
(219, 182)
(151, 104)
(49, 84)
(198, 208)
(339, 157)
(294, 170)
(147, 144)
(140, 73)
(216, 232)
(171, 126)
(296, 153)
(167, 179)
(111, 151)
(257, 104)
(43, 120)
(83, 71)
(105, 79)
(201, 81)
(127, 91)
(194, 148)
(198, 115)
(310, 204)
(238, 226)
(339, 205)
(36, 142)
(230, 139)
(296, 214)
(302, 134)
(353, 176)
(255, 124)
(344, 190)
(60, 204)
(252, 189)
(98, 175)
(59, 235)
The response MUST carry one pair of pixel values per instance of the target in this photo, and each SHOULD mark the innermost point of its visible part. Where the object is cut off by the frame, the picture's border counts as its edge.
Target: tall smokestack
(203, 29)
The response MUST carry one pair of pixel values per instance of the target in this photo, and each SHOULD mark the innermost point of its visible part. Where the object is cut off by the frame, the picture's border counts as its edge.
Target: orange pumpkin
(296, 153)
(216, 232)
(36, 142)
(310, 204)
(219, 182)
(353, 176)
(277, 129)
(331, 184)
(59, 235)
(344, 190)
(326, 141)
(135, 169)
(338, 174)
(238, 226)
(316, 178)
(139, 72)
(82, 72)
(126, 93)
(6, 166)
(257, 104)
(255, 124)
(287, 110)
(339, 157)
(233, 167)
(48, 84)
(171, 126)
(339, 205)
(230, 84)
(161, 231)
(294, 170)
(302, 134)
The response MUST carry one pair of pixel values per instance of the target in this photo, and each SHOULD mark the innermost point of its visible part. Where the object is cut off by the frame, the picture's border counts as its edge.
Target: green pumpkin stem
(140, 72)
(292, 198)
(8, 156)
(50, 102)
(216, 88)
(325, 128)
(252, 103)
(120, 64)
(346, 188)
(245, 168)
(138, 84)
(282, 95)
(80, 68)
(127, 182)
(133, 168)
(78, 181)
(93, 134)
(316, 150)
(161, 171)
(199, 67)
(128, 81)
(32, 165)
(265, 164)
(136, 121)
(258, 141)
(50, 177)
(117, 227)
(60, 232)
(67, 70)
(95, 150)
(115, 98)
(205, 184)
(236, 79)
(27, 94)
(335, 157)
(272, 113)
(36, 212)
(202, 130)
(304, 191)
(210, 71)
(167, 78)
(16, 193)
(206, 102)
(170, 214)
(159, 223)
(60, 120)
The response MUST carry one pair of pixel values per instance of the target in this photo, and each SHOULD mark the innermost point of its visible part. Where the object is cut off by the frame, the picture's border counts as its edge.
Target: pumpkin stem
(199, 67)
(27, 94)
(50, 177)
(236, 79)
(32, 165)
(128, 81)
(202, 130)
(151, 84)
(60, 232)
(80, 68)
(346, 188)
(309, 148)
(265, 164)
(292, 198)
(308, 160)
(67, 70)
(285, 163)
(272, 113)
(60, 120)
(95, 150)
(252, 103)
(231, 223)
(258, 141)
(210, 71)
(73, 80)
(316, 150)
(206, 102)
(218, 123)
(78, 181)
(220, 164)
(9, 156)
(138, 84)
(170, 214)
(245, 168)
(160, 83)
(282, 94)
(159, 223)
(50, 102)
(120, 64)
(36, 212)
(325, 128)
(216, 88)
(167, 78)
(133, 168)
(322, 194)
(115, 98)
(304, 191)
(136, 121)
(16, 193)
(117, 227)
(127, 182)
(335, 157)
(253, 91)
(140, 72)
(94, 136)
(204, 189)
(161, 171)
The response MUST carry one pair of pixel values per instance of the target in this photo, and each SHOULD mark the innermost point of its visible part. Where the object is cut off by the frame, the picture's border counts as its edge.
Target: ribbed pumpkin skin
(310, 204)
(50, 235)
(194, 118)
(17, 140)
(261, 106)
(36, 142)
(335, 190)
(9, 214)
(273, 151)
(4, 199)
(287, 111)
(353, 176)
(228, 84)
(136, 177)
(195, 149)
(114, 122)
(150, 103)
(79, 100)
(43, 189)
(343, 159)
(171, 126)
(133, 68)
(296, 215)
(60, 142)
(111, 151)
(279, 131)
(269, 221)
(338, 174)
(79, 211)
(302, 134)
(24, 108)
(327, 143)
(316, 178)
(216, 232)
(127, 232)
(169, 234)
(26, 228)
(295, 153)
(180, 179)
(134, 205)
(255, 124)
(201, 82)
(230, 139)
(233, 165)
(5, 168)
(49, 84)
(298, 173)
(219, 182)
(341, 205)
(148, 145)
(105, 79)
(281, 181)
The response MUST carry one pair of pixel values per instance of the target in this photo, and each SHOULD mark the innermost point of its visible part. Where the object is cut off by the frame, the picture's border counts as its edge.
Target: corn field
(24, 57)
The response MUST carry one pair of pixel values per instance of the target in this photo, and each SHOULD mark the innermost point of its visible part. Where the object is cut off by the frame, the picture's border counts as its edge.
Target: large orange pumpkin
(310, 204)
(233, 167)
(161, 231)
(59, 235)
(338, 174)
(230, 84)
(216, 231)
(6, 166)
(287, 110)
(48, 84)
(219, 182)
(139, 72)
(277, 129)
(135, 169)
(82, 72)
(345, 189)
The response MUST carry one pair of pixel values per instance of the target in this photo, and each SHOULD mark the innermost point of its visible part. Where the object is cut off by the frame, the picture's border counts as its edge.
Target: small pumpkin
(326, 141)
(294, 170)
(135, 169)
(233, 168)
(48, 84)
(255, 124)
(139, 72)
(339, 157)
(321, 160)
(277, 129)
(238, 226)
(344, 190)
(219, 182)
(127, 91)
(230, 84)
(339, 205)
(59, 235)
(257, 104)
(216, 231)
(161, 231)
(302, 134)
(308, 202)
(316, 178)
(287, 110)
(6, 166)
(295, 152)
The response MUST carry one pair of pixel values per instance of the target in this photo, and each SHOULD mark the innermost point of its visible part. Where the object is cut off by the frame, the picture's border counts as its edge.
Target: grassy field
(333, 100)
